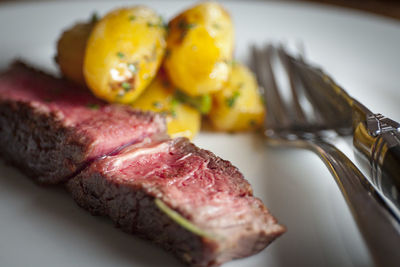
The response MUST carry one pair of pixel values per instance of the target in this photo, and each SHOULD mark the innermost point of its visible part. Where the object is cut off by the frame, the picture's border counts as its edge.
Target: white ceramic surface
(42, 226)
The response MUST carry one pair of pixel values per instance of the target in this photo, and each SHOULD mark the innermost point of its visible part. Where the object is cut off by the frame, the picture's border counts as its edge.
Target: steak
(119, 162)
(181, 197)
(51, 128)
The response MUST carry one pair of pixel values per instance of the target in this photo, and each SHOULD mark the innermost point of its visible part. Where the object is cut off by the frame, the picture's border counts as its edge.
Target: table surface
(388, 8)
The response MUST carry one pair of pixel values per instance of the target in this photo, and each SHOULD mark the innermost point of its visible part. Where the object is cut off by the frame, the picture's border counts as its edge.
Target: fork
(305, 121)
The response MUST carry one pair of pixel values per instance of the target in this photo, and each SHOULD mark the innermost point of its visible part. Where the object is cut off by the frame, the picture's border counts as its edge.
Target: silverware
(306, 120)
(376, 138)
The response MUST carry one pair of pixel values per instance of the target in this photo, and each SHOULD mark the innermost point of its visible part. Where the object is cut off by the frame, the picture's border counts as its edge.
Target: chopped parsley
(216, 26)
(93, 106)
(160, 23)
(167, 53)
(120, 55)
(132, 18)
(183, 25)
(252, 123)
(173, 113)
(230, 101)
(126, 86)
(95, 17)
(166, 83)
(232, 62)
(262, 99)
(201, 103)
(174, 103)
(157, 104)
(164, 113)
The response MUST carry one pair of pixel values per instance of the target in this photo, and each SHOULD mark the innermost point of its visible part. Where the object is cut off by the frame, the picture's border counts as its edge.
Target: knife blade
(376, 138)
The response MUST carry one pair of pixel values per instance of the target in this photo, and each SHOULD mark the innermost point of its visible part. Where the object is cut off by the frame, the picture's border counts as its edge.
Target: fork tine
(314, 117)
(326, 102)
(298, 112)
(277, 115)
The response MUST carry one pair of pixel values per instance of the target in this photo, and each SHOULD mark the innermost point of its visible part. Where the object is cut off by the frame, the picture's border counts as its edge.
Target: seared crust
(51, 138)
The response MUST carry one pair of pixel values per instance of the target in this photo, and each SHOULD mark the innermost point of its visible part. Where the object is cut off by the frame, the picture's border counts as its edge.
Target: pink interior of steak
(175, 163)
(208, 191)
(74, 103)
(104, 127)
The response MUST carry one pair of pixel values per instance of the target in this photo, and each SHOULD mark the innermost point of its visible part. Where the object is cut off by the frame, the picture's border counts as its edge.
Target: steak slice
(183, 198)
(51, 128)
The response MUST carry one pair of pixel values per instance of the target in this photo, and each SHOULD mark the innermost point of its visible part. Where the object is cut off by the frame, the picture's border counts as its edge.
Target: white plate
(43, 226)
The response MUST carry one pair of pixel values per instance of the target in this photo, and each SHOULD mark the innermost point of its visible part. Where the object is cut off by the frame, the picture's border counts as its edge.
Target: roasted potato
(123, 53)
(71, 50)
(200, 48)
(238, 106)
(182, 119)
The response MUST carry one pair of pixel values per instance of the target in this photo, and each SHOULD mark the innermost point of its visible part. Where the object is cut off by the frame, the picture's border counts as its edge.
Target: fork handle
(381, 231)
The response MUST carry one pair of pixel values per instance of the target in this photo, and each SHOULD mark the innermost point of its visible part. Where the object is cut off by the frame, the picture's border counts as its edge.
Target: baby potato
(238, 106)
(199, 49)
(71, 50)
(123, 53)
(182, 119)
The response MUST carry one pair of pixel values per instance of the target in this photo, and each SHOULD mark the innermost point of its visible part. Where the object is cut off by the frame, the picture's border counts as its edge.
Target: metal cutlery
(307, 117)
(376, 138)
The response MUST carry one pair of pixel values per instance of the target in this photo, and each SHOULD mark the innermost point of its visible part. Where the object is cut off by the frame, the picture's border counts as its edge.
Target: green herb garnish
(160, 24)
(174, 103)
(120, 55)
(173, 113)
(232, 62)
(132, 18)
(157, 104)
(216, 26)
(167, 53)
(166, 83)
(94, 18)
(230, 101)
(201, 103)
(182, 221)
(126, 86)
(183, 25)
(93, 106)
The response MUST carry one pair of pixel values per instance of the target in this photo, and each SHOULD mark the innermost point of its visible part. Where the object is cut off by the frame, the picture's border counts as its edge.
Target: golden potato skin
(199, 49)
(182, 120)
(123, 53)
(238, 106)
(71, 51)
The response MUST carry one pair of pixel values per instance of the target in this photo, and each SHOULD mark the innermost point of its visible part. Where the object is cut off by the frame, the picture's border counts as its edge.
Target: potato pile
(184, 70)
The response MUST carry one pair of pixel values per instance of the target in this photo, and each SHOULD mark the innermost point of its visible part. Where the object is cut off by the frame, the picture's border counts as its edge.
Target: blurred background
(387, 8)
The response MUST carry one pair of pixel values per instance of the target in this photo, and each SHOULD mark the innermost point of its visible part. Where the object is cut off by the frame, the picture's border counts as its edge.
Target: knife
(376, 138)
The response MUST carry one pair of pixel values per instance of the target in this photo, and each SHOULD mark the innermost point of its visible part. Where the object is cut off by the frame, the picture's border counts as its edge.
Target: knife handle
(378, 141)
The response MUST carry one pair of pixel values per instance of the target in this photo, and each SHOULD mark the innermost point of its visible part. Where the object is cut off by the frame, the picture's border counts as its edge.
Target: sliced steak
(51, 128)
(181, 197)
